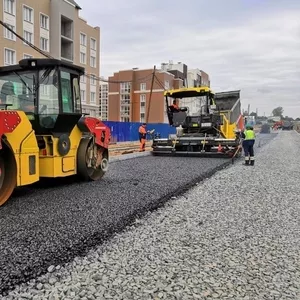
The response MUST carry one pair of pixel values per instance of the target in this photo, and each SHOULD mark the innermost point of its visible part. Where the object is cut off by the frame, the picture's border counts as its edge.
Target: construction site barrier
(128, 131)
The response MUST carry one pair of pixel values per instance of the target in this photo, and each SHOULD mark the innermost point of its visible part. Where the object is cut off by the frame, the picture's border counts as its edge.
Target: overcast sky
(251, 45)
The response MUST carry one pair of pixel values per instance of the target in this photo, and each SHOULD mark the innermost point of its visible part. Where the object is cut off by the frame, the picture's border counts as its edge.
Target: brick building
(129, 100)
(55, 27)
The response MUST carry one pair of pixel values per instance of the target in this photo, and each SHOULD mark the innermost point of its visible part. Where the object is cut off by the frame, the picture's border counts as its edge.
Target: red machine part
(240, 122)
(9, 120)
(277, 124)
(99, 129)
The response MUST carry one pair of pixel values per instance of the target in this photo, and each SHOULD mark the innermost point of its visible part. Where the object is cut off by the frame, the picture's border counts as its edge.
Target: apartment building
(129, 100)
(197, 77)
(56, 28)
(103, 101)
(179, 70)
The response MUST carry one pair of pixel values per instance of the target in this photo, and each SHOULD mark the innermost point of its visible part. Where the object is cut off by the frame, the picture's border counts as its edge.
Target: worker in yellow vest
(248, 145)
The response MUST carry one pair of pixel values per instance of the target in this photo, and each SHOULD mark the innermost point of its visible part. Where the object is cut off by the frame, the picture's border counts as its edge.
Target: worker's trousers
(142, 144)
(248, 146)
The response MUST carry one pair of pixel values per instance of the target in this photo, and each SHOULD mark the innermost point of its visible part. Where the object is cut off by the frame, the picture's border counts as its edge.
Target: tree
(277, 112)
(287, 118)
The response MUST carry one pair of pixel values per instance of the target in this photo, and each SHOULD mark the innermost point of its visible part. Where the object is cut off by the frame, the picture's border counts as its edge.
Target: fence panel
(128, 131)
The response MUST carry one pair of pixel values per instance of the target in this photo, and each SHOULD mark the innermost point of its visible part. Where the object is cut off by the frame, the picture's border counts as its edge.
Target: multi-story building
(197, 77)
(129, 101)
(179, 70)
(103, 101)
(55, 27)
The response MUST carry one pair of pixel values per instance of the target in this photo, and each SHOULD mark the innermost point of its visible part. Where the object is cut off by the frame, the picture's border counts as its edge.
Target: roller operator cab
(42, 130)
(206, 123)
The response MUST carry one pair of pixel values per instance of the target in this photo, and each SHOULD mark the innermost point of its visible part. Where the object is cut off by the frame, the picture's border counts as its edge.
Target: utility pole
(151, 90)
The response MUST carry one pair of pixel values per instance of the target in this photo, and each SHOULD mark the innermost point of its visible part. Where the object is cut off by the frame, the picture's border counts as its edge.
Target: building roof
(74, 3)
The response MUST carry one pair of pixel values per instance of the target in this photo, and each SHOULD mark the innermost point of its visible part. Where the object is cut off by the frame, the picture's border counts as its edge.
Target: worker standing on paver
(142, 136)
(248, 144)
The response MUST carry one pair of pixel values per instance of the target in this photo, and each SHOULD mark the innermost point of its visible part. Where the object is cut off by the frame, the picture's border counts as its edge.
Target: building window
(27, 14)
(44, 89)
(8, 34)
(142, 107)
(93, 44)
(125, 107)
(142, 98)
(125, 87)
(82, 58)
(143, 86)
(9, 57)
(167, 84)
(103, 101)
(9, 6)
(142, 118)
(82, 39)
(142, 103)
(26, 56)
(83, 79)
(44, 22)
(93, 62)
(93, 79)
(44, 44)
(82, 94)
(125, 119)
(93, 98)
(27, 36)
(125, 99)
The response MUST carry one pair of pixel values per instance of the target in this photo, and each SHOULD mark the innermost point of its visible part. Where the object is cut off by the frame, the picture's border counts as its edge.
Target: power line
(50, 57)
(151, 91)
(159, 82)
(116, 81)
(25, 41)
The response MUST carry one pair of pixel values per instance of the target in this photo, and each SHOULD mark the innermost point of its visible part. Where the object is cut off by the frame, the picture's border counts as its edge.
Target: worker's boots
(246, 161)
(252, 162)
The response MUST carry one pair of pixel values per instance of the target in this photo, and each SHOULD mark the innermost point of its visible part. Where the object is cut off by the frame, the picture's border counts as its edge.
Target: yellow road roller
(43, 132)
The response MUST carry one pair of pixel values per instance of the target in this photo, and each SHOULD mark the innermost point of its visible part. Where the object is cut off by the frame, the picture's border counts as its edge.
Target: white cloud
(256, 50)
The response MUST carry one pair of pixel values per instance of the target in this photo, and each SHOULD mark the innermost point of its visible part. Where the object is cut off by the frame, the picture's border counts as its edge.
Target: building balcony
(67, 49)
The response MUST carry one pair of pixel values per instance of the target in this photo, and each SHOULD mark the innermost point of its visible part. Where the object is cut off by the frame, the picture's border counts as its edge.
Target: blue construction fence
(129, 131)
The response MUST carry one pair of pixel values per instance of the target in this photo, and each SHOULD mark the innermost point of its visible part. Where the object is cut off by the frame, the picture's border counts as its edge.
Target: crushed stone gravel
(44, 226)
(234, 236)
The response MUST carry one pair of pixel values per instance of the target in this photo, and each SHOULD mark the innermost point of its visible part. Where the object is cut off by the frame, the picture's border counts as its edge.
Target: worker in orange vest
(142, 136)
(175, 106)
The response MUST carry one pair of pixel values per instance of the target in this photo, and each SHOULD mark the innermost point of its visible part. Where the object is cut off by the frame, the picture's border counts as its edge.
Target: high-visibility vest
(142, 132)
(249, 135)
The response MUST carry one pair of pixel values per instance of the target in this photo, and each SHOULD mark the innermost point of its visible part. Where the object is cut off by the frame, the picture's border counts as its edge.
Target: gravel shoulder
(234, 236)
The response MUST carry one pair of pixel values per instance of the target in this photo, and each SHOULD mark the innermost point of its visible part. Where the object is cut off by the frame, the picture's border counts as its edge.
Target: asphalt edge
(128, 156)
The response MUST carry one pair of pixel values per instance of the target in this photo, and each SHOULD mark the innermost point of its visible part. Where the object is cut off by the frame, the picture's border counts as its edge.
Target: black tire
(83, 171)
(8, 174)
